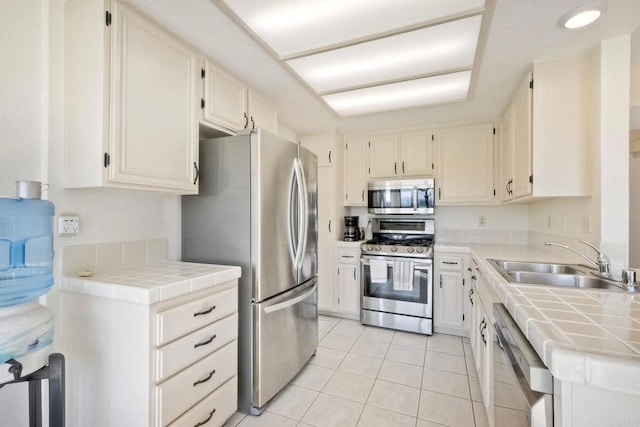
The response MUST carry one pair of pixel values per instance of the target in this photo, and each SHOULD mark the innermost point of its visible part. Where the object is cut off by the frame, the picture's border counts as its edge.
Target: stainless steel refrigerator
(257, 208)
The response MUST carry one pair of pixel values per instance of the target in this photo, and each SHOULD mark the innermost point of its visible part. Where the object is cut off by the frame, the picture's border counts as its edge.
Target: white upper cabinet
(229, 105)
(407, 154)
(552, 131)
(382, 156)
(466, 164)
(416, 153)
(262, 114)
(225, 99)
(355, 171)
(505, 184)
(322, 146)
(131, 108)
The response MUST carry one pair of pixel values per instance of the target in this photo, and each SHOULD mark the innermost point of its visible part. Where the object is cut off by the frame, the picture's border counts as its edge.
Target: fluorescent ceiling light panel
(430, 50)
(408, 94)
(291, 27)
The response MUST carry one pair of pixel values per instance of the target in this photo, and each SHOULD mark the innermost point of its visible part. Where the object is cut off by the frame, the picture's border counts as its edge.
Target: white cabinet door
(225, 99)
(416, 153)
(355, 181)
(382, 154)
(348, 288)
(450, 303)
(522, 105)
(131, 110)
(505, 185)
(466, 164)
(322, 146)
(262, 114)
(326, 237)
(155, 131)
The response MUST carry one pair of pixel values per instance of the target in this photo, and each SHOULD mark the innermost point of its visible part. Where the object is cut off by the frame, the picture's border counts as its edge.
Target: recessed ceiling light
(583, 15)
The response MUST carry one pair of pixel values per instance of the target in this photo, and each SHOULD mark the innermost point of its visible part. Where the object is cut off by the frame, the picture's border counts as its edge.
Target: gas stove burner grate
(401, 242)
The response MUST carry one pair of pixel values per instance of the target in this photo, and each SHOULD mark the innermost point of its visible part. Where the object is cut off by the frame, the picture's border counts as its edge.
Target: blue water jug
(26, 249)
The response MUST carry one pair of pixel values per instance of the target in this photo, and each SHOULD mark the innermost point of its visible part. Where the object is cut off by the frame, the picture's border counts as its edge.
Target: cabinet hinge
(346, 146)
(439, 196)
(369, 144)
(462, 282)
(107, 160)
(463, 317)
(494, 192)
(494, 131)
(432, 166)
(433, 138)
(107, 18)
(202, 73)
(202, 103)
(369, 171)
(531, 179)
(531, 84)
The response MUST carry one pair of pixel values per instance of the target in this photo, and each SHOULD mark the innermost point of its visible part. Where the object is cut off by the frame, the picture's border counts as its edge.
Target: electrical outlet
(586, 224)
(482, 221)
(68, 225)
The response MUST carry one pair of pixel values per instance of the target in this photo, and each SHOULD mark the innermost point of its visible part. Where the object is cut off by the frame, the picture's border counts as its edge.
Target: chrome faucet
(602, 262)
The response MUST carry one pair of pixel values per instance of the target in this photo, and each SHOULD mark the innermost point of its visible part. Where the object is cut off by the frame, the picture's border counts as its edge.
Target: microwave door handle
(415, 198)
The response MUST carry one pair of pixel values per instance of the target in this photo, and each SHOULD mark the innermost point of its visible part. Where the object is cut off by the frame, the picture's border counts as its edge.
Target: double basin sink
(563, 275)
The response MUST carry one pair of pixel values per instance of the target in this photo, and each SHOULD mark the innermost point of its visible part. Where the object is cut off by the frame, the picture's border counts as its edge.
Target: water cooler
(26, 273)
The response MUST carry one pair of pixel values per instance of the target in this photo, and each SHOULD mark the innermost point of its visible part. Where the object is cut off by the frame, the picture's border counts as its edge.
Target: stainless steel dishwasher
(523, 386)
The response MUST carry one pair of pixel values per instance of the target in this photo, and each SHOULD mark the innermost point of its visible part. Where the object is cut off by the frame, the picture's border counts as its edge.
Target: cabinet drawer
(214, 409)
(183, 352)
(178, 321)
(348, 256)
(447, 262)
(182, 391)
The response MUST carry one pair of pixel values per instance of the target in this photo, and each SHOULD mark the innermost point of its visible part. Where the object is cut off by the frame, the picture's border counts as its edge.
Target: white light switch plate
(68, 225)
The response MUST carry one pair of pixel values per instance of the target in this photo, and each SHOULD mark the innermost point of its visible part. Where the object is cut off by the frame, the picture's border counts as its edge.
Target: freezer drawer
(285, 338)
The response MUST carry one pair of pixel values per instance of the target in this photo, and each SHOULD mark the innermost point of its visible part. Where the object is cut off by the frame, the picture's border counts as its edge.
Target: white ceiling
(520, 32)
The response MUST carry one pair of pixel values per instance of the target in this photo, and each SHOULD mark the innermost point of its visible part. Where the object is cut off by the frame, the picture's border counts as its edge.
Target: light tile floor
(369, 376)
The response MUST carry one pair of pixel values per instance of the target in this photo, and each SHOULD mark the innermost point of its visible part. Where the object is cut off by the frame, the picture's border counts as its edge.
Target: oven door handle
(419, 263)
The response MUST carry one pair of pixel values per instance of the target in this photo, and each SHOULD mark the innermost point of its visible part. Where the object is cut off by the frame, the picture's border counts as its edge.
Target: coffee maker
(351, 229)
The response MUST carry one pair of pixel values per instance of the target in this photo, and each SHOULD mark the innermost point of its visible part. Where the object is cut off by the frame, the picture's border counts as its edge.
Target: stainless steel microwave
(401, 196)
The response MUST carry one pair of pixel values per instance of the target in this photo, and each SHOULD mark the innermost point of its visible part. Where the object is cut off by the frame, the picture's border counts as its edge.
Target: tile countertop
(582, 335)
(152, 283)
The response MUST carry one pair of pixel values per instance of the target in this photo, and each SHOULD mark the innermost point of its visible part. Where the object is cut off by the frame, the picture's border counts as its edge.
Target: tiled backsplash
(105, 257)
(482, 236)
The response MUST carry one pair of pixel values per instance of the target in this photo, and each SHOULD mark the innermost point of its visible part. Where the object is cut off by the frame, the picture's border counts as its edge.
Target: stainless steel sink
(564, 280)
(552, 274)
(540, 267)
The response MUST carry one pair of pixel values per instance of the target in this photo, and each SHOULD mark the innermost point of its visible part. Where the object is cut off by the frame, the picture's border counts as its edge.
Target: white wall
(634, 204)
(32, 147)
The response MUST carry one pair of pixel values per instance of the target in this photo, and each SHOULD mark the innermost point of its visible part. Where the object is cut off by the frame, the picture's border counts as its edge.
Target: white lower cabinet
(482, 336)
(451, 308)
(136, 364)
(343, 298)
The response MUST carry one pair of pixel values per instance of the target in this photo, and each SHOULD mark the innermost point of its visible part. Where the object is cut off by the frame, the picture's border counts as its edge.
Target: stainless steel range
(397, 274)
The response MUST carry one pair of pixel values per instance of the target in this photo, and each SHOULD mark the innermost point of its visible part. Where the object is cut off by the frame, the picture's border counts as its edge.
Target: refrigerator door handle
(304, 202)
(292, 238)
(301, 218)
(294, 301)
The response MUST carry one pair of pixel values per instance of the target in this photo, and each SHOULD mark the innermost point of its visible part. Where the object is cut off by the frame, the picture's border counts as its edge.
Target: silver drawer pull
(206, 379)
(205, 342)
(201, 423)
(450, 262)
(346, 256)
(200, 313)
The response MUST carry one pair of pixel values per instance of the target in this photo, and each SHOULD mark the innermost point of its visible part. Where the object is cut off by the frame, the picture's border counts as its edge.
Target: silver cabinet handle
(354, 274)
(246, 120)
(363, 195)
(450, 262)
(329, 226)
(205, 342)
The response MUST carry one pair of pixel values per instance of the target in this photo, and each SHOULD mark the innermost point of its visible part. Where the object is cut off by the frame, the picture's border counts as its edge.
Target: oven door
(401, 197)
(407, 287)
